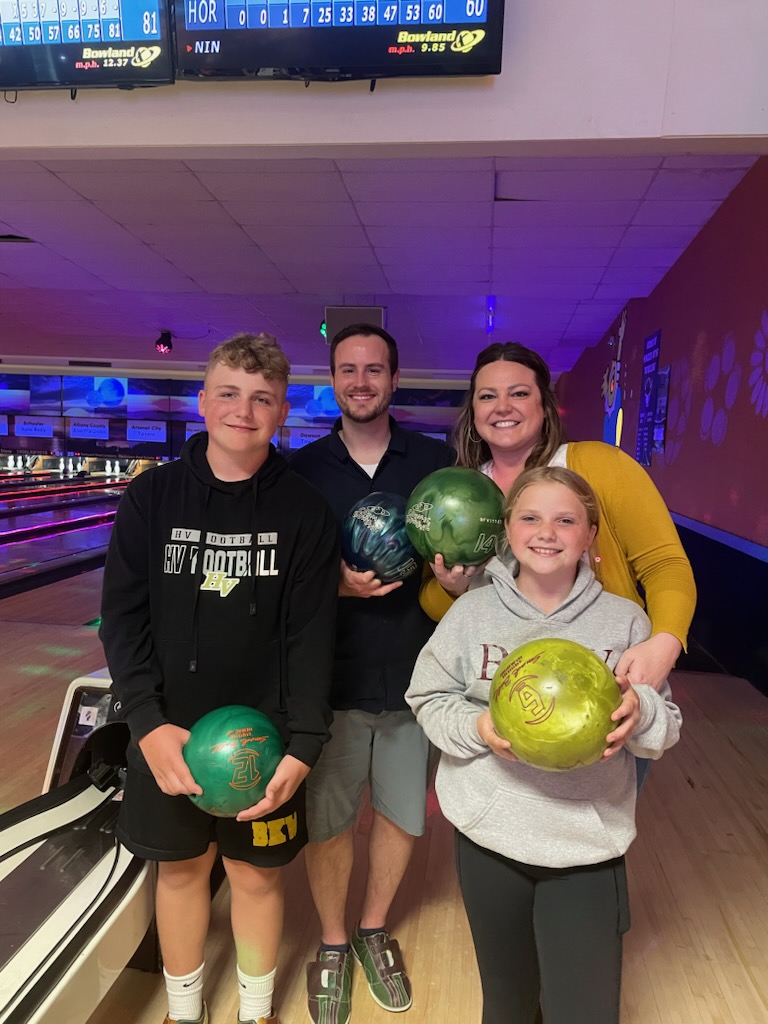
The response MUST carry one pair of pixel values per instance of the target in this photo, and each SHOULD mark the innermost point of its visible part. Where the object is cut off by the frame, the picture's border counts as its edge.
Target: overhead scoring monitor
(338, 39)
(46, 44)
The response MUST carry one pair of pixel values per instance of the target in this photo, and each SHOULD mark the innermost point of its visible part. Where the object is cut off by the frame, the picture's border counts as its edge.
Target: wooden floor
(44, 644)
(697, 952)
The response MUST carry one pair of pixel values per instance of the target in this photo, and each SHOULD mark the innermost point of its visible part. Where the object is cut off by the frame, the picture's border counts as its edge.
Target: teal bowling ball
(457, 513)
(374, 537)
(553, 700)
(232, 753)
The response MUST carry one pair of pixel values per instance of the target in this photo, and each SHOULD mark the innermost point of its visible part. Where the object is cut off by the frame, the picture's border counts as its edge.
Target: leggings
(549, 935)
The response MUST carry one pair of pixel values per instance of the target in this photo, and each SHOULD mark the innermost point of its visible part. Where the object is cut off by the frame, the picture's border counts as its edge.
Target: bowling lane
(12, 481)
(65, 490)
(44, 559)
(27, 525)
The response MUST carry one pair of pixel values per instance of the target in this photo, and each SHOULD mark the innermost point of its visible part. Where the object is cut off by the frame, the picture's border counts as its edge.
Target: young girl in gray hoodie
(540, 854)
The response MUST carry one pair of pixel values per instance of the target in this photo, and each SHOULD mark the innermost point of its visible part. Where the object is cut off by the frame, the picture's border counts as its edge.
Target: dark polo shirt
(379, 638)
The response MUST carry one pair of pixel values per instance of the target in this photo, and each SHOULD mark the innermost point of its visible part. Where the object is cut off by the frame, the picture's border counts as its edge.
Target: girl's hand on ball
(491, 738)
(628, 713)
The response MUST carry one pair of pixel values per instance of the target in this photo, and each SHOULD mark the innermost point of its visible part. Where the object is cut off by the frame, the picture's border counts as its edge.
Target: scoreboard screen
(337, 39)
(46, 44)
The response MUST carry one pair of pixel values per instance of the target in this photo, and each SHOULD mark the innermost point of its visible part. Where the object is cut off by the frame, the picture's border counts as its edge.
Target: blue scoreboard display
(47, 44)
(338, 39)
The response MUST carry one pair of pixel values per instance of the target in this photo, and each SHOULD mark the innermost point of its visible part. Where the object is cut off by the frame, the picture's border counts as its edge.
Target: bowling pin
(61, 465)
(70, 466)
(117, 467)
(108, 468)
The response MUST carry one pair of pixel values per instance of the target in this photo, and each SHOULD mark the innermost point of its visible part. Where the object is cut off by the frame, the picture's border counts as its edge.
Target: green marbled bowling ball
(457, 513)
(232, 753)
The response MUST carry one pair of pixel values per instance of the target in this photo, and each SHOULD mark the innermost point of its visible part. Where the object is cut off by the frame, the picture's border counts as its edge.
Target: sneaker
(260, 1020)
(329, 987)
(202, 1019)
(381, 959)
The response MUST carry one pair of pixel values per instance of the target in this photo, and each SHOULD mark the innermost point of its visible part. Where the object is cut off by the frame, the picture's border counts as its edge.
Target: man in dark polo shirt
(374, 738)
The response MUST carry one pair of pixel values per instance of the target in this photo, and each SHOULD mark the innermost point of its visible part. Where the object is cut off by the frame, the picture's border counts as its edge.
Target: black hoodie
(221, 593)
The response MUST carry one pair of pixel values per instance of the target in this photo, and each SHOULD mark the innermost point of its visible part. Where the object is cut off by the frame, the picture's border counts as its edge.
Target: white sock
(255, 995)
(185, 995)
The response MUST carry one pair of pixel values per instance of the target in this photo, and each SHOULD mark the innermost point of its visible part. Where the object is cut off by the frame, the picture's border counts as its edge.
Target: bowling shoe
(329, 987)
(381, 959)
(202, 1019)
(260, 1020)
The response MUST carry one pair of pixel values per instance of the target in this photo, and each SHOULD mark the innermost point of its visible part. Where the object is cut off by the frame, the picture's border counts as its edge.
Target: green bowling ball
(553, 700)
(232, 753)
(457, 513)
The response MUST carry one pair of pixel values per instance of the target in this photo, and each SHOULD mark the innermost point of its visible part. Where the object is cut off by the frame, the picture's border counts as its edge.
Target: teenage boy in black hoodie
(220, 588)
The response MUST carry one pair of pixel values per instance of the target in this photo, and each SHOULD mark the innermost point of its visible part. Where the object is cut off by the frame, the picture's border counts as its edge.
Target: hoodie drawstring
(199, 574)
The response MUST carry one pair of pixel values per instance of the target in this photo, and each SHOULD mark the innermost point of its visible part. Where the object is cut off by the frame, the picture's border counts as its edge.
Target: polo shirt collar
(398, 441)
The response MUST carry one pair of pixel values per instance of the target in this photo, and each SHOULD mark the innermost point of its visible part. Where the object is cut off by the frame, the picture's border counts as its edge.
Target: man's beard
(365, 414)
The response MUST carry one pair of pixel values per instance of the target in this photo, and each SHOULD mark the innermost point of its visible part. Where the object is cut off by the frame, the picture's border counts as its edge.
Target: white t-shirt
(560, 458)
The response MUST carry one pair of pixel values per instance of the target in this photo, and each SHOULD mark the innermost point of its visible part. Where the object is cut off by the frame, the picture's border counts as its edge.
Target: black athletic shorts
(155, 826)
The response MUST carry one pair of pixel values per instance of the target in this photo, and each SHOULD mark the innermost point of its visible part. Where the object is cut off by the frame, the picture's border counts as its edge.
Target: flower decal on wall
(758, 378)
(721, 386)
(678, 408)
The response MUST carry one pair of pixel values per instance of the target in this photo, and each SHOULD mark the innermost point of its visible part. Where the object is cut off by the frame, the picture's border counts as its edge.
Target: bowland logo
(467, 40)
(427, 37)
(139, 56)
(146, 55)
(461, 42)
(219, 581)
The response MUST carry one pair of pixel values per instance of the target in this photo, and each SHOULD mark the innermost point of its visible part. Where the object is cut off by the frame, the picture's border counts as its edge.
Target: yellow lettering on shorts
(275, 831)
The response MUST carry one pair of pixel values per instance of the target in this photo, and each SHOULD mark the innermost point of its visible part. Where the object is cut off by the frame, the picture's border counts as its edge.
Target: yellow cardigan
(637, 542)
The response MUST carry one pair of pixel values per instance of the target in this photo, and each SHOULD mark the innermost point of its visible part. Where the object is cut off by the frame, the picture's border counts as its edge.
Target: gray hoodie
(550, 819)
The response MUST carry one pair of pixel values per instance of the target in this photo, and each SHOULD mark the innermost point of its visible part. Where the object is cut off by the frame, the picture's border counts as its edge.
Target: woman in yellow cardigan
(509, 422)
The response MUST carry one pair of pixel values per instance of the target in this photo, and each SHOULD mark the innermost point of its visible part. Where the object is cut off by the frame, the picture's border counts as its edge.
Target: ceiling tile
(586, 185)
(706, 183)
(308, 241)
(407, 216)
(676, 236)
(125, 186)
(672, 213)
(587, 236)
(441, 187)
(293, 213)
(442, 235)
(276, 186)
(562, 214)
